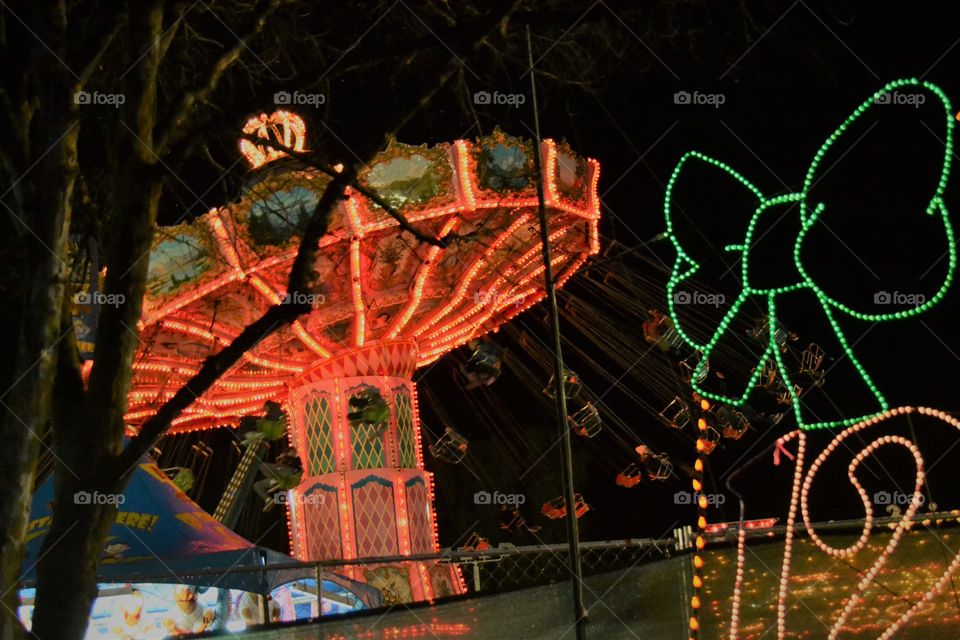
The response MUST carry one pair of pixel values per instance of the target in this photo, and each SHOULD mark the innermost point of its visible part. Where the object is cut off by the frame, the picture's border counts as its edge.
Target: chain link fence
(508, 567)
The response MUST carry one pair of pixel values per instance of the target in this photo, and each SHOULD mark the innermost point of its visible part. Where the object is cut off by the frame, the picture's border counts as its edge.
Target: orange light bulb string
(700, 543)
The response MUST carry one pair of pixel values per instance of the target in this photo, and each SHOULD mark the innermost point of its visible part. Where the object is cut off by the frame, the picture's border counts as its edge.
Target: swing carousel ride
(383, 305)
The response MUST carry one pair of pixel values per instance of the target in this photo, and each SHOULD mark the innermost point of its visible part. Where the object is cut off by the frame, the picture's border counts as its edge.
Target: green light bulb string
(685, 266)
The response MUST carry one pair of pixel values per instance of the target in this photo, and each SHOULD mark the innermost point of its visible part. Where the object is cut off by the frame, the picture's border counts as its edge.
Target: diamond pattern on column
(405, 436)
(317, 417)
(368, 451)
(320, 514)
(396, 359)
(374, 517)
(418, 515)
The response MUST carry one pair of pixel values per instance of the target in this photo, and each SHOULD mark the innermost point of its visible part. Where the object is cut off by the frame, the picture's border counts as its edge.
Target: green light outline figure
(810, 212)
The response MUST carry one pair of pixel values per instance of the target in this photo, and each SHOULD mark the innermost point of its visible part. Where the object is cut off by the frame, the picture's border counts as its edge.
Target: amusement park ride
(383, 305)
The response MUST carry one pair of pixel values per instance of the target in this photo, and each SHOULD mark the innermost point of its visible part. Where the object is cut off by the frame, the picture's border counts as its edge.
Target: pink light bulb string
(788, 541)
(800, 496)
(784, 585)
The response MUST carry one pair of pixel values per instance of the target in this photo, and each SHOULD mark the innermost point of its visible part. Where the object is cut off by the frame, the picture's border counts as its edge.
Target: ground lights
(803, 480)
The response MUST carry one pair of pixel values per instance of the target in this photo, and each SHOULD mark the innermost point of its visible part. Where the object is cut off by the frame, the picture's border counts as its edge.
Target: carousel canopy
(162, 536)
(372, 282)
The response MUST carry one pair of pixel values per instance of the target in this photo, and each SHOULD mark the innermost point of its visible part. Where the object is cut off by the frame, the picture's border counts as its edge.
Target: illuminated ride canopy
(383, 304)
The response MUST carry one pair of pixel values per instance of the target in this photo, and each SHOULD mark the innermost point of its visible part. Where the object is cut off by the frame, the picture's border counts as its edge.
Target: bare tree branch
(167, 39)
(280, 314)
(177, 127)
(91, 67)
(146, 108)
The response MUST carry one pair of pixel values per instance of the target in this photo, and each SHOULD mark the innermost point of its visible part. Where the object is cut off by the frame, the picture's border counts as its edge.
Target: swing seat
(629, 477)
(586, 421)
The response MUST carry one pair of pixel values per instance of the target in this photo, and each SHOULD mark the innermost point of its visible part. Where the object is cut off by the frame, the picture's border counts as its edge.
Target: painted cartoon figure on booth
(188, 616)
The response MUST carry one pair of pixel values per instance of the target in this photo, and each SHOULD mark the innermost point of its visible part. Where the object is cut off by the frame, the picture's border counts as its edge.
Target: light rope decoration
(810, 213)
(783, 586)
(800, 495)
(702, 503)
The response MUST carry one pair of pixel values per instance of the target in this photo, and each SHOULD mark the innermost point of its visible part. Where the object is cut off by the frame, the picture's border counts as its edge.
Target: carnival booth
(168, 568)
(384, 302)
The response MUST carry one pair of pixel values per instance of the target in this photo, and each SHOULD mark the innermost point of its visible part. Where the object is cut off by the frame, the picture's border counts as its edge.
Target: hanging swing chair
(761, 333)
(768, 375)
(659, 332)
(658, 467)
(484, 366)
(557, 508)
(733, 423)
(630, 477)
(783, 395)
(708, 440)
(689, 364)
(476, 542)
(512, 520)
(571, 385)
(811, 361)
(676, 414)
(451, 447)
(586, 421)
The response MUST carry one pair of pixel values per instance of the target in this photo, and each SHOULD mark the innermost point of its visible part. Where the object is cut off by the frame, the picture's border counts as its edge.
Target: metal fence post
(319, 591)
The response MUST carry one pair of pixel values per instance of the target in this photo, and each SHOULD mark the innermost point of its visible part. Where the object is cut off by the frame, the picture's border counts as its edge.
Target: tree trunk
(90, 445)
(46, 209)
(66, 576)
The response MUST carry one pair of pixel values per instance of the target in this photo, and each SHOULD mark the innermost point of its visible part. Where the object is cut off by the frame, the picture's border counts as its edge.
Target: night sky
(788, 75)
(789, 89)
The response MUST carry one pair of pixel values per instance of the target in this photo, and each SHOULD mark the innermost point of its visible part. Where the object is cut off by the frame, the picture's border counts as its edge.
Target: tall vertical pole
(573, 533)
